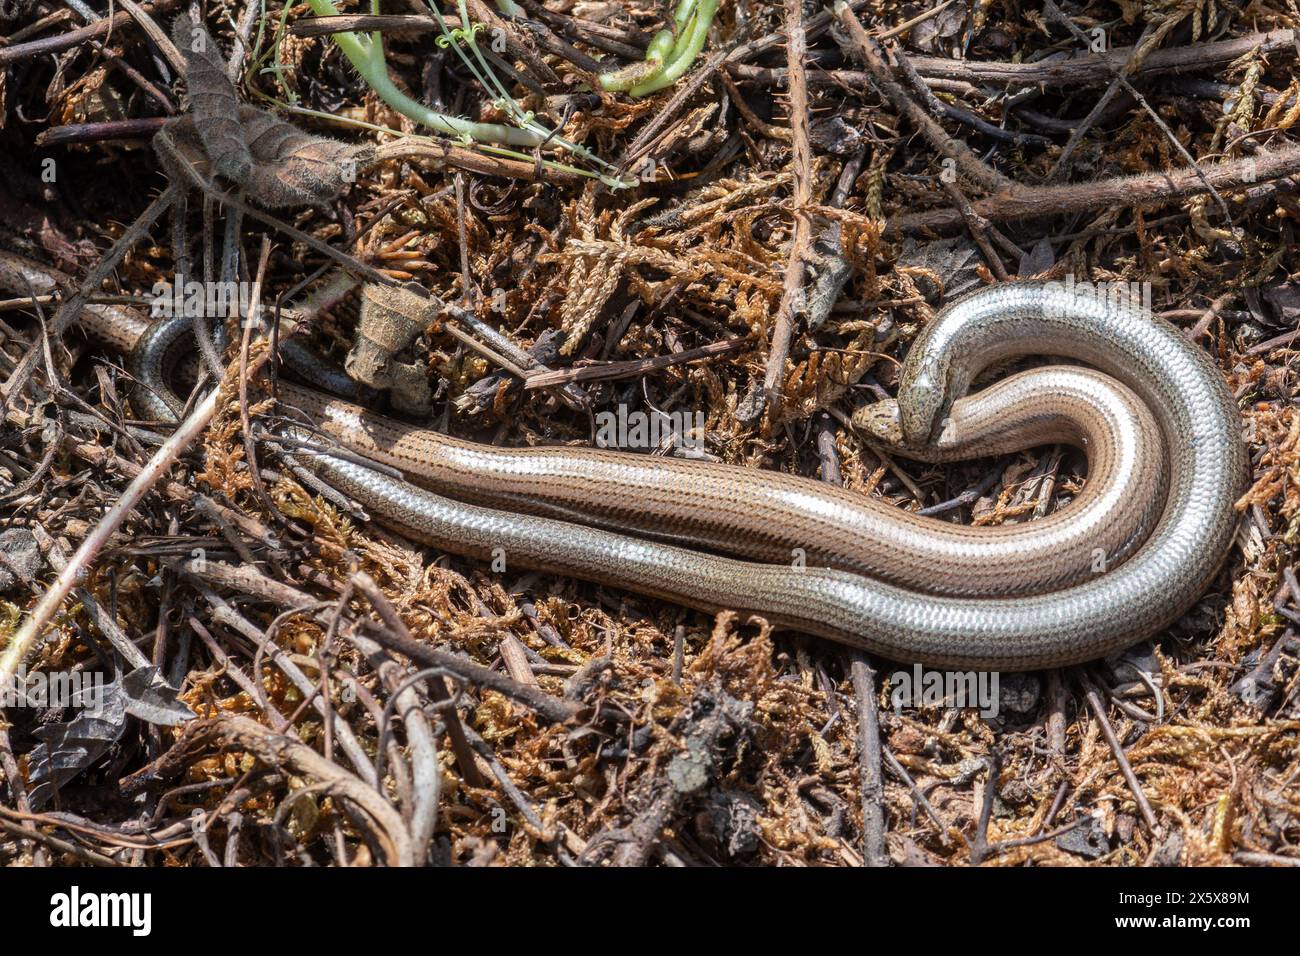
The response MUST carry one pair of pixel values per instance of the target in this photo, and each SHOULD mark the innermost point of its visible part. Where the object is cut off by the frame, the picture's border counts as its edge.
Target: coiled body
(772, 516)
(1118, 603)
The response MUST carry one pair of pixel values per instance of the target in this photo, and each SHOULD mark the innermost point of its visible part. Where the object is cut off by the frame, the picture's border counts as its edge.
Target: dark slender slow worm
(1194, 413)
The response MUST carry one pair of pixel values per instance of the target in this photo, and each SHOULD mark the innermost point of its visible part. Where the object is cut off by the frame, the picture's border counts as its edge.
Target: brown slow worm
(1118, 602)
(1118, 605)
(782, 518)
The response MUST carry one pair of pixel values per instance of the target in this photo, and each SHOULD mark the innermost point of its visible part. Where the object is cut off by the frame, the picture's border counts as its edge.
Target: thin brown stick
(793, 300)
(276, 750)
(651, 132)
(1099, 711)
(156, 34)
(79, 565)
(607, 371)
(438, 689)
(74, 38)
(1093, 68)
(977, 226)
(1145, 189)
(401, 24)
(250, 449)
(1131, 65)
(1206, 318)
(1121, 78)
(55, 843)
(71, 308)
(442, 155)
(964, 77)
(874, 851)
(545, 705)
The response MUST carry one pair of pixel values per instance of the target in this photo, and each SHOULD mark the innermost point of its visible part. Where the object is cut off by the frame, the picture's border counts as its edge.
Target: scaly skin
(1184, 393)
(780, 518)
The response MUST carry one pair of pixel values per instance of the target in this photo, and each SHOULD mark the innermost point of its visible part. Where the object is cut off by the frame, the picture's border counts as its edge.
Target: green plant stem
(682, 15)
(688, 46)
(620, 81)
(462, 40)
(670, 53)
(366, 54)
(482, 147)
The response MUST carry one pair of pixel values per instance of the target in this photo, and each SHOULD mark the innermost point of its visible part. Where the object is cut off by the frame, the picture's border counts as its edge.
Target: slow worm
(777, 517)
(1120, 602)
(1195, 412)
